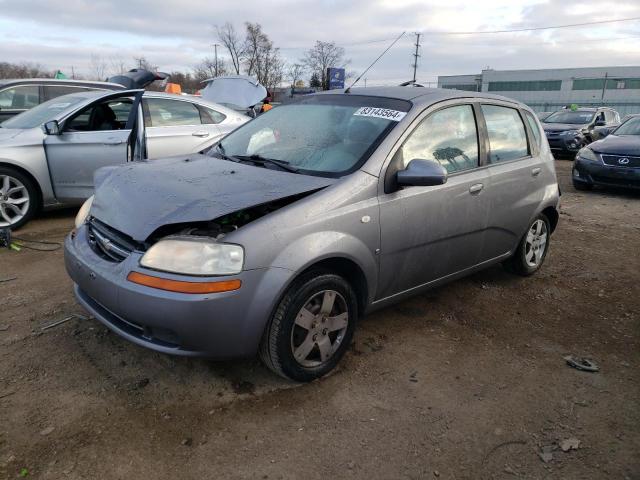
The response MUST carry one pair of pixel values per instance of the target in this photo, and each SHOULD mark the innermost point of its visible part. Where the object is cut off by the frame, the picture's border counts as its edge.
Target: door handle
(476, 187)
(114, 142)
(200, 134)
(536, 171)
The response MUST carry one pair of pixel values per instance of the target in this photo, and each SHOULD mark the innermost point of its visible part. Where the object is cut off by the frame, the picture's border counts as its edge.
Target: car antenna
(348, 90)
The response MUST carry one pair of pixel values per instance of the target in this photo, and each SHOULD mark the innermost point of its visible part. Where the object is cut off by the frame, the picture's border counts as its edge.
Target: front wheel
(18, 198)
(311, 328)
(532, 249)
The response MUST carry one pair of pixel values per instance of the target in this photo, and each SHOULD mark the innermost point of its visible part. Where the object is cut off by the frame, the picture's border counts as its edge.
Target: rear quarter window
(535, 129)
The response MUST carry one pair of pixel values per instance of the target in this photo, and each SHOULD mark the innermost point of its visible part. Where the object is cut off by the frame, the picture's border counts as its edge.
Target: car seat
(103, 118)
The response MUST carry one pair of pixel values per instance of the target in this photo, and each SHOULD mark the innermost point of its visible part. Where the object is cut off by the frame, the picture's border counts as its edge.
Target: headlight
(194, 256)
(83, 213)
(572, 133)
(587, 154)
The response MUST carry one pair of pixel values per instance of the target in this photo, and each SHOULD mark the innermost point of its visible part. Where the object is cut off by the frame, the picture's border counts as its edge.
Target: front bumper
(597, 173)
(565, 143)
(218, 325)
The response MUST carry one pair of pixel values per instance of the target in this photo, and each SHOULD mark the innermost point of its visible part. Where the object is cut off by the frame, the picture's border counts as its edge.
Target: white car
(48, 155)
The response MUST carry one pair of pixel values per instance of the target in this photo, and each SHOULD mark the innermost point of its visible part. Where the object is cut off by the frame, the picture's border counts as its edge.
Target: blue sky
(177, 36)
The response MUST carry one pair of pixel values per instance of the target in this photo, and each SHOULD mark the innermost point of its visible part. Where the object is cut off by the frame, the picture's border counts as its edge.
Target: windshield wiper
(260, 160)
(222, 153)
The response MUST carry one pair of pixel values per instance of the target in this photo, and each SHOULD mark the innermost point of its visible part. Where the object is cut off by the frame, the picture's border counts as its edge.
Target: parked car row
(612, 161)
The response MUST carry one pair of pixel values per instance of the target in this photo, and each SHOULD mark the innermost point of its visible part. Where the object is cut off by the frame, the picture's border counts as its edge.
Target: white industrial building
(550, 89)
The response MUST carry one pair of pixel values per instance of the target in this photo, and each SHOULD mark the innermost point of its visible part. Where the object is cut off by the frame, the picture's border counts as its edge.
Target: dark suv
(17, 96)
(568, 130)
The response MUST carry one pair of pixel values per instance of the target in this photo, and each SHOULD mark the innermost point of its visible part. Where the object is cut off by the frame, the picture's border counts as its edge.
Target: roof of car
(418, 94)
(59, 81)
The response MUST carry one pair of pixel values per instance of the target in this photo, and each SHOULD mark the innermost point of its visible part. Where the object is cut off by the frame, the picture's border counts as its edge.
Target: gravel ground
(466, 381)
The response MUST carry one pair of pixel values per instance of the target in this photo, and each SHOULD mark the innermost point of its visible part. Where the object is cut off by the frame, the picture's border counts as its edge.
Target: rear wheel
(311, 328)
(582, 186)
(18, 198)
(532, 249)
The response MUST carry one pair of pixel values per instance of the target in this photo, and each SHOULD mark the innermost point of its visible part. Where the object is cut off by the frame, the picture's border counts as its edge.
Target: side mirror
(422, 173)
(600, 123)
(52, 128)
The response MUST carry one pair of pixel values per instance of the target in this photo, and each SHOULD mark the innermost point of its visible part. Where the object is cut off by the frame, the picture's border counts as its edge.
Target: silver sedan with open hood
(48, 155)
(302, 220)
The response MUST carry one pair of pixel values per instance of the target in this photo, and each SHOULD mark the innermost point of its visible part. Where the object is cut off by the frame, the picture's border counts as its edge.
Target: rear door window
(21, 97)
(507, 137)
(167, 113)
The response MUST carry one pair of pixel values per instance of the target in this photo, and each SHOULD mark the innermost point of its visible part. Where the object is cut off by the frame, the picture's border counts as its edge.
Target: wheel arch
(349, 270)
(552, 214)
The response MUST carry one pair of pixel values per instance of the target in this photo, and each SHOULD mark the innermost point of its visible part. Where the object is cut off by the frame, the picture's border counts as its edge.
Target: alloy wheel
(14, 200)
(536, 243)
(319, 328)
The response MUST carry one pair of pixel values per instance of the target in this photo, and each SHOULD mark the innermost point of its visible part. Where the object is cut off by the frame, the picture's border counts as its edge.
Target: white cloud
(176, 36)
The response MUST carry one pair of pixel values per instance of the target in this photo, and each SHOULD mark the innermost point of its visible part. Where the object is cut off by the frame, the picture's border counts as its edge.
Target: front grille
(108, 243)
(621, 161)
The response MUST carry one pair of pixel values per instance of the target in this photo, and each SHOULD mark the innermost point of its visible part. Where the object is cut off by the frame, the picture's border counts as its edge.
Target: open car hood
(138, 198)
(138, 78)
(239, 90)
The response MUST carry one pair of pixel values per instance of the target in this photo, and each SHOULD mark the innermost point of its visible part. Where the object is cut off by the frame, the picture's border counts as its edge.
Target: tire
(285, 336)
(530, 254)
(583, 187)
(17, 187)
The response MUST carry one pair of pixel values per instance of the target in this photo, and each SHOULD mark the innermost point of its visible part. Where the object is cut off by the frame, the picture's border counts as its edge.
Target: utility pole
(215, 61)
(416, 55)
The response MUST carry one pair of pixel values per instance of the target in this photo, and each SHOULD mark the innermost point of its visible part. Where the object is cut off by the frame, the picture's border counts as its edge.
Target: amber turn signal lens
(183, 287)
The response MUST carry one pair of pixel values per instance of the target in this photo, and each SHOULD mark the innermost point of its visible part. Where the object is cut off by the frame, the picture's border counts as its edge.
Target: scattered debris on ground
(569, 444)
(583, 364)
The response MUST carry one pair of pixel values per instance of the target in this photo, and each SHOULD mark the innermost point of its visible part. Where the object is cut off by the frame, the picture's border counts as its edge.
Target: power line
(531, 29)
(482, 32)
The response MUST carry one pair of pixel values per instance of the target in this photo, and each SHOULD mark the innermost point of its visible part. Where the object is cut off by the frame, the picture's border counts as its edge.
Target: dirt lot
(467, 381)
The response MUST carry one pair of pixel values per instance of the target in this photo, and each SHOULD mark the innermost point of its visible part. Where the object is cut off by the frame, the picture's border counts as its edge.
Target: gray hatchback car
(306, 218)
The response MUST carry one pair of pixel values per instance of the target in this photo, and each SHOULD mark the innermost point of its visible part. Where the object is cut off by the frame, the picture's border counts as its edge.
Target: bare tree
(143, 63)
(261, 58)
(207, 69)
(97, 67)
(117, 65)
(322, 56)
(295, 72)
(24, 70)
(229, 38)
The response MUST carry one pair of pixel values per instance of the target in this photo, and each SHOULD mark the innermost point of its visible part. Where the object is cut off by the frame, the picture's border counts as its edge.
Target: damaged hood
(138, 198)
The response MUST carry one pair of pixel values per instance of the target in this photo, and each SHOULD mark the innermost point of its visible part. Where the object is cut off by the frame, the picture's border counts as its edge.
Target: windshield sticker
(393, 115)
(58, 106)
